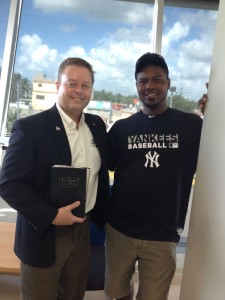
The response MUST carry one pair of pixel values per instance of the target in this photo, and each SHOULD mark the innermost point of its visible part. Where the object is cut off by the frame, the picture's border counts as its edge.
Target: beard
(153, 104)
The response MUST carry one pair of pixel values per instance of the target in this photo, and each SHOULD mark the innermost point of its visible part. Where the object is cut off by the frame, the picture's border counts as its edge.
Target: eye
(142, 82)
(86, 86)
(70, 84)
(158, 80)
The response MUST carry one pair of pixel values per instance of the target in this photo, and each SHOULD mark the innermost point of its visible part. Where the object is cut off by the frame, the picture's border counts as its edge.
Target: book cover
(69, 184)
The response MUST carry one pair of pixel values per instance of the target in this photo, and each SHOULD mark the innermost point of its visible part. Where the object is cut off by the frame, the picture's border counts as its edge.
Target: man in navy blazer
(53, 244)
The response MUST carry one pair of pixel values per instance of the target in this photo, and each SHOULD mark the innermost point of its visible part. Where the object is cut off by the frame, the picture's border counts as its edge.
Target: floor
(9, 290)
(174, 292)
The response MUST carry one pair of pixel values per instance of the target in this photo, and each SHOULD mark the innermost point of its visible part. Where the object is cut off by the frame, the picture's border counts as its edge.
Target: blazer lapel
(94, 128)
(59, 134)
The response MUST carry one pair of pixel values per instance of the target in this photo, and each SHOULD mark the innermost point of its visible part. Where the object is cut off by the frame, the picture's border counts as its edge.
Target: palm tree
(11, 118)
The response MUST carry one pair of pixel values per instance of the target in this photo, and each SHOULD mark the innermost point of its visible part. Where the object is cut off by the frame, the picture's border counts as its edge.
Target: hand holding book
(66, 217)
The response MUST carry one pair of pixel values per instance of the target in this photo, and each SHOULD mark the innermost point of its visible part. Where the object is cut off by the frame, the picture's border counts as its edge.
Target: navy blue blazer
(37, 142)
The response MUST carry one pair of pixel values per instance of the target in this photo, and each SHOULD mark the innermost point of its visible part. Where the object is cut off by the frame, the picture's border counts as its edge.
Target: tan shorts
(156, 266)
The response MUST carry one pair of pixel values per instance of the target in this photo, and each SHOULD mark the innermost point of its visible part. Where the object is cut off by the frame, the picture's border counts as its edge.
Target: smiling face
(74, 90)
(152, 86)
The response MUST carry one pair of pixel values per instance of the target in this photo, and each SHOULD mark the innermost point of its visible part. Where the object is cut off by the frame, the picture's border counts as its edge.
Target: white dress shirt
(84, 153)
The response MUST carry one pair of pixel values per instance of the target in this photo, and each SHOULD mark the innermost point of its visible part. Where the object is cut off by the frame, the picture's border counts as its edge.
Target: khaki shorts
(156, 266)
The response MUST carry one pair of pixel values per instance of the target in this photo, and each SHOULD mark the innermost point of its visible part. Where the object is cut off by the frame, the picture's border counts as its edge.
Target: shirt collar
(66, 119)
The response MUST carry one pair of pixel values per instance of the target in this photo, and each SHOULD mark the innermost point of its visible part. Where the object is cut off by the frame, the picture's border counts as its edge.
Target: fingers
(79, 220)
(66, 217)
(73, 205)
(204, 99)
(202, 102)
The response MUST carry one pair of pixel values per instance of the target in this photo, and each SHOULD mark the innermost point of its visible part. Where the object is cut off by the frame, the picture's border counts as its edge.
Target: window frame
(8, 60)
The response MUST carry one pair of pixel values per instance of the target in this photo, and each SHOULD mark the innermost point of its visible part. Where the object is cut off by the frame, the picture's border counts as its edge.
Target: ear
(57, 86)
(168, 83)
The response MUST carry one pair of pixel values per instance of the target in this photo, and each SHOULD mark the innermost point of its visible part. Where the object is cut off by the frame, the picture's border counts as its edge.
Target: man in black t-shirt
(154, 155)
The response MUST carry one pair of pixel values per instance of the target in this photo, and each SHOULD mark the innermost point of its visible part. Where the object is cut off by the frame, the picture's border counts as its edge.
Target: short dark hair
(76, 61)
(150, 59)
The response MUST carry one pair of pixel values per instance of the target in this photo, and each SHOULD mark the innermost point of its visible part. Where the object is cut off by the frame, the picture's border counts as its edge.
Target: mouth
(150, 95)
(76, 99)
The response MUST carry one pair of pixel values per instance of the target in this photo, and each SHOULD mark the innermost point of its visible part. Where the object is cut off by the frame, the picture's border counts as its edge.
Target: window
(187, 47)
(110, 37)
(4, 13)
(40, 97)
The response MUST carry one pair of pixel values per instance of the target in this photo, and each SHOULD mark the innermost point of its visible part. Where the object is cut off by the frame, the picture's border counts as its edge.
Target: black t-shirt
(154, 161)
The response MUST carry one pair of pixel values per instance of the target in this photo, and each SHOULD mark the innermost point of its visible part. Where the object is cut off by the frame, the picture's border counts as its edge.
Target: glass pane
(4, 14)
(111, 37)
(188, 36)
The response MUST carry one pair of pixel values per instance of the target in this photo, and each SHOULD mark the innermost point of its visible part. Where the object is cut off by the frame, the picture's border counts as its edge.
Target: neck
(74, 115)
(76, 118)
(153, 111)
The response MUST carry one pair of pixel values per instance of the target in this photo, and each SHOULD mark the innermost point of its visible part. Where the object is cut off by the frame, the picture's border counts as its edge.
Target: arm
(25, 179)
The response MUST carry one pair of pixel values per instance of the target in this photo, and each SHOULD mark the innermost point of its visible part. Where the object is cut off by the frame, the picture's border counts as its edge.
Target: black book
(69, 184)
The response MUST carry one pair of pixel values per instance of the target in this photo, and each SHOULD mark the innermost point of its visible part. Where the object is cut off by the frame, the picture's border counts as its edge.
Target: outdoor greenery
(178, 101)
(21, 88)
(114, 98)
(12, 116)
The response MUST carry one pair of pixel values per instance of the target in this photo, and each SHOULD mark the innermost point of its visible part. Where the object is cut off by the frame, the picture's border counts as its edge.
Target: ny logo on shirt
(152, 159)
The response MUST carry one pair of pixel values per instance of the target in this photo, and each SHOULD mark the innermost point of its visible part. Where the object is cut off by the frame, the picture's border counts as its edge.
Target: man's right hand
(65, 216)
(203, 101)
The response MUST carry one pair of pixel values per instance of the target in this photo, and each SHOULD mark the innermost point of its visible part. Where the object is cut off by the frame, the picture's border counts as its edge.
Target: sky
(112, 35)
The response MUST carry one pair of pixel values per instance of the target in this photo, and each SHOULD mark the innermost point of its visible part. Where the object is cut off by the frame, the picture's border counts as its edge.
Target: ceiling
(200, 4)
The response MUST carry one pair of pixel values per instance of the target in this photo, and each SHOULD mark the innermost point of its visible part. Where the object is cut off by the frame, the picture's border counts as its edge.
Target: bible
(69, 184)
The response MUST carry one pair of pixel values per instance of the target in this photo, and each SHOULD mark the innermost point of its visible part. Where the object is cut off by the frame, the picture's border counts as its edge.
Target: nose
(149, 84)
(77, 88)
